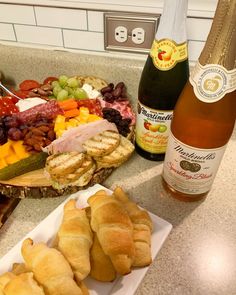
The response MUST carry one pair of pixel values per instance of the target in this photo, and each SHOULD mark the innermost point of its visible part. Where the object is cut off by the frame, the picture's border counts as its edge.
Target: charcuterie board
(66, 118)
(34, 184)
(7, 205)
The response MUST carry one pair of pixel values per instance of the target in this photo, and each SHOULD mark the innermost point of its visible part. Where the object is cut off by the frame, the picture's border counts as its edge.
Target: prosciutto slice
(123, 107)
(73, 139)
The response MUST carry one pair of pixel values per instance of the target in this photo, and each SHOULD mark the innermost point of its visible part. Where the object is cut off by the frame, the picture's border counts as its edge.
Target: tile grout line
(35, 18)
(63, 41)
(90, 50)
(14, 30)
(58, 28)
(87, 21)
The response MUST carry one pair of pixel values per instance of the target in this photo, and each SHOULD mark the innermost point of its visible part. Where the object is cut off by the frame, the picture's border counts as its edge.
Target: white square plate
(46, 230)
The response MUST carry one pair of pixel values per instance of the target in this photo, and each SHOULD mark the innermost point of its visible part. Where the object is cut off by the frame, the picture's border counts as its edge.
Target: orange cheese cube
(59, 133)
(71, 123)
(59, 123)
(2, 163)
(83, 114)
(20, 150)
(92, 118)
(4, 149)
(11, 159)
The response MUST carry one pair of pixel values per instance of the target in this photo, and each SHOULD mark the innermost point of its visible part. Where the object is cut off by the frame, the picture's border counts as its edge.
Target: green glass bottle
(164, 75)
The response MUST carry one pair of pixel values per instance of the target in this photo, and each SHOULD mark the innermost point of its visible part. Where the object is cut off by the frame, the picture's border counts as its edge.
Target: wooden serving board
(7, 205)
(34, 184)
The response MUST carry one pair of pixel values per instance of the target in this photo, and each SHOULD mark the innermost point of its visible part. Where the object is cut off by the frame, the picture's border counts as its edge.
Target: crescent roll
(4, 280)
(114, 230)
(102, 268)
(142, 228)
(23, 284)
(75, 239)
(19, 268)
(50, 269)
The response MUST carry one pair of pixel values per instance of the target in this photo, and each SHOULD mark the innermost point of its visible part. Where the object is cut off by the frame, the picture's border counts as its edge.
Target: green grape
(80, 93)
(56, 90)
(55, 83)
(71, 96)
(72, 82)
(62, 95)
(62, 80)
(69, 89)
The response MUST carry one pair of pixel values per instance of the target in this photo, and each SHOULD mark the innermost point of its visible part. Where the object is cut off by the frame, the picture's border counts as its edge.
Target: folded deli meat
(74, 138)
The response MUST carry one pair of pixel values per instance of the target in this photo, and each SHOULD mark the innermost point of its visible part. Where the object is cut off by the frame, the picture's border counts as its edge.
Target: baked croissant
(4, 279)
(102, 268)
(18, 268)
(50, 269)
(75, 239)
(142, 228)
(114, 230)
(23, 284)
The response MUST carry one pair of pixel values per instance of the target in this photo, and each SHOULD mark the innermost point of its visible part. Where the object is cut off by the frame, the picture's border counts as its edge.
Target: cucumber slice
(31, 163)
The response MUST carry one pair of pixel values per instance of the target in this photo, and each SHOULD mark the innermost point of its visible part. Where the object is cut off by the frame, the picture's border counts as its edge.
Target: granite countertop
(199, 256)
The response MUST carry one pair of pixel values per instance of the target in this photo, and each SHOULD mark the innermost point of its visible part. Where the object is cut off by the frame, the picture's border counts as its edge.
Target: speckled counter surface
(199, 256)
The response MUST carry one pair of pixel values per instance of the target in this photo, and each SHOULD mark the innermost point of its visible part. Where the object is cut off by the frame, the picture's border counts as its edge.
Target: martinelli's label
(166, 53)
(212, 82)
(152, 129)
(190, 170)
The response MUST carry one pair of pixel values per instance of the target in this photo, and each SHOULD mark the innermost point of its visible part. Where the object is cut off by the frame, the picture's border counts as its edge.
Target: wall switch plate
(130, 32)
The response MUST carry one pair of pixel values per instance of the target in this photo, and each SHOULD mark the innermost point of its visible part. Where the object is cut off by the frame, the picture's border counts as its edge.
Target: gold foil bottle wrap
(214, 75)
(220, 47)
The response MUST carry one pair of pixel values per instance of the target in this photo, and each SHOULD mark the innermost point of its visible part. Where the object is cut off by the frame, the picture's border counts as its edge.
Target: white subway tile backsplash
(61, 18)
(95, 21)
(198, 29)
(7, 32)
(39, 35)
(84, 40)
(194, 49)
(76, 28)
(18, 14)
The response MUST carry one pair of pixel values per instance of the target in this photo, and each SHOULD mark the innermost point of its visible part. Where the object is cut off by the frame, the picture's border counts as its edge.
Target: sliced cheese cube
(20, 150)
(3, 163)
(83, 114)
(92, 118)
(59, 123)
(4, 149)
(72, 123)
(11, 159)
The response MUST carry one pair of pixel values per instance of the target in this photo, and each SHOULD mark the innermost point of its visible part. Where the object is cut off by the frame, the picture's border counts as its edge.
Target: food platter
(40, 126)
(35, 185)
(122, 285)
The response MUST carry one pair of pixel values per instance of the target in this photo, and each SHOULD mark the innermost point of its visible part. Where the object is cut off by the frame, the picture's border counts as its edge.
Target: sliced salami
(48, 110)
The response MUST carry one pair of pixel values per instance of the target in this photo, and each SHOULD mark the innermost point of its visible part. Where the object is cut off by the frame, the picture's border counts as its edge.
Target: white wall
(65, 24)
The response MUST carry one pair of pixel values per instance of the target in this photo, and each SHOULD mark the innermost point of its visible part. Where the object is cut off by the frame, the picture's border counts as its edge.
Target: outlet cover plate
(148, 22)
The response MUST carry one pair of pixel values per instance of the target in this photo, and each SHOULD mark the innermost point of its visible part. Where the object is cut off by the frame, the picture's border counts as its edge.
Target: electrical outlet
(121, 34)
(138, 35)
(130, 32)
